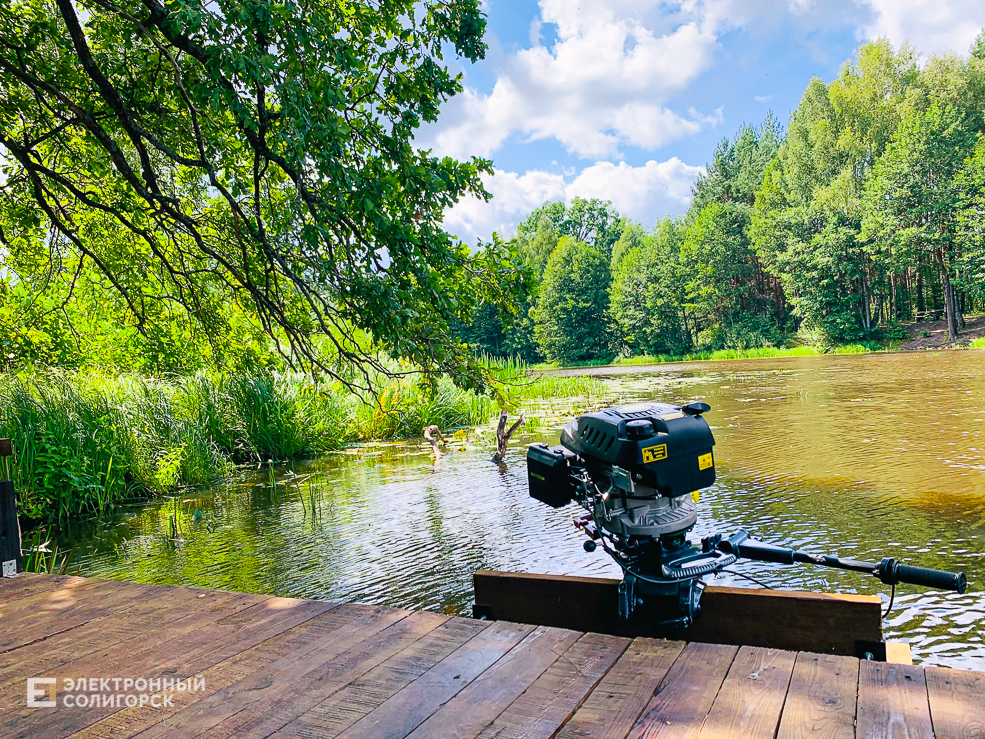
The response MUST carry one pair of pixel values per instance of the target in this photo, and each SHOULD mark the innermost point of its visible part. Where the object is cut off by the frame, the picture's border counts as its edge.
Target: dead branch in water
(503, 436)
(429, 435)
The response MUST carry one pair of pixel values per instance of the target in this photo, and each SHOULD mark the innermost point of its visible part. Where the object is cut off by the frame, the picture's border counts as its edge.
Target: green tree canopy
(192, 156)
(571, 318)
(646, 300)
(594, 222)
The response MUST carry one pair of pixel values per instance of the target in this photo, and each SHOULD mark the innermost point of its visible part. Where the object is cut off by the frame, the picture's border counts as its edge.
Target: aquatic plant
(85, 443)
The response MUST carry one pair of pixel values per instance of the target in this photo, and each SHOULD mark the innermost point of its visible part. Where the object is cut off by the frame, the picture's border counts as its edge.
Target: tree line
(865, 213)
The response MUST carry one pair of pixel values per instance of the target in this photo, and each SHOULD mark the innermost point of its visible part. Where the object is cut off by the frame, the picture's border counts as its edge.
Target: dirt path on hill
(937, 334)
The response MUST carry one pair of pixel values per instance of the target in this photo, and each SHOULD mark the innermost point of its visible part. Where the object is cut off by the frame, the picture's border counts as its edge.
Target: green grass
(84, 443)
(726, 354)
(978, 343)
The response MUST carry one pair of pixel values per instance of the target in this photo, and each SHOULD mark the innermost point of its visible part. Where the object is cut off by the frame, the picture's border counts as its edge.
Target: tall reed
(84, 443)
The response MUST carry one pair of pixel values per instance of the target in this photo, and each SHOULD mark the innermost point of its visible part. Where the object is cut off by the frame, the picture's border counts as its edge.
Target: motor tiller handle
(892, 571)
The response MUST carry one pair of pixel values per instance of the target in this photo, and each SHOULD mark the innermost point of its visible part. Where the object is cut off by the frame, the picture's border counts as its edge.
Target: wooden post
(10, 530)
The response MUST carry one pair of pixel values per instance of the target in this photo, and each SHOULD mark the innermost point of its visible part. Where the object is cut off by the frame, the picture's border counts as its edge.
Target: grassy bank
(83, 442)
(722, 354)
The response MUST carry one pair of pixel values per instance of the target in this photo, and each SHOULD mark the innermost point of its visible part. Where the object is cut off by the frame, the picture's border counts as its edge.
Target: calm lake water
(865, 456)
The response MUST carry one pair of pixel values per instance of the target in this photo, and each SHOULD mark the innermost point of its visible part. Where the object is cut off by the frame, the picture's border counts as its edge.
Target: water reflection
(866, 456)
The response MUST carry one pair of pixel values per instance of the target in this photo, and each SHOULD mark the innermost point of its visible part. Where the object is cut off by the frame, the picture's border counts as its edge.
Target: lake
(864, 456)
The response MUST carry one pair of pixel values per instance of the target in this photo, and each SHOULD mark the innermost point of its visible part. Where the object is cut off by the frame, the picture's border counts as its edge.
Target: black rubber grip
(892, 572)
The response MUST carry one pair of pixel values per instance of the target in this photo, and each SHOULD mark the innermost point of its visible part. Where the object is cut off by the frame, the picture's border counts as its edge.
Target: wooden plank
(343, 709)
(134, 621)
(751, 698)
(892, 702)
(465, 715)
(554, 696)
(821, 699)
(352, 624)
(239, 646)
(43, 594)
(26, 583)
(408, 708)
(686, 694)
(613, 707)
(115, 647)
(825, 623)
(898, 653)
(184, 652)
(66, 609)
(957, 703)
(286, 700)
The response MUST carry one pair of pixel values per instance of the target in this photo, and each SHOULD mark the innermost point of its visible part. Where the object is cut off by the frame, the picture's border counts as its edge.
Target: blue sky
(626, 99)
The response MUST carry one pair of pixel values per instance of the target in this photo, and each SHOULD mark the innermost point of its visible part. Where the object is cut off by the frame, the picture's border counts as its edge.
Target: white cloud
(605, 82)
(644, 194)
(930, 25)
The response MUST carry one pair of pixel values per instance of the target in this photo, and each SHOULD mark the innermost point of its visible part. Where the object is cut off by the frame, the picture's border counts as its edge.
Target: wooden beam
(826, 623)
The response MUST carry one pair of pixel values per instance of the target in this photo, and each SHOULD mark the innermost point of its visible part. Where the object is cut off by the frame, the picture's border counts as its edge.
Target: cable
(892, 597)
(749, 577)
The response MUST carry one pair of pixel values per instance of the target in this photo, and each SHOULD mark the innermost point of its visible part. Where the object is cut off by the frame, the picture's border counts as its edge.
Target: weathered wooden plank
(821, 698)
(826, 623)
(554, 696)
(957, 703)
(68, 650)
(686, 694)
(465, 715)
(352, 625)
(892, 702)
(116, 647)
(179, 657)
(233, 649)
(408, 708)
(343, 709)
(286, 700)
(26, 598)
(25, 582)
(613, 707)
(66, 609)
(751, 698)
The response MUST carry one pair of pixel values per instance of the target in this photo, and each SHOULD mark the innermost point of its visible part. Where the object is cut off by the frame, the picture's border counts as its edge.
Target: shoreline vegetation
(723, 355)
(766, 352)
(84, 442)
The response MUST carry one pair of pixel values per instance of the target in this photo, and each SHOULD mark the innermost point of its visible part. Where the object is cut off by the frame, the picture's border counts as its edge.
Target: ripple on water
(863, 457)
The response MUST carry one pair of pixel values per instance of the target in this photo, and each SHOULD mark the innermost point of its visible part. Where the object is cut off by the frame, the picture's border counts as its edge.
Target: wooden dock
(280, 667)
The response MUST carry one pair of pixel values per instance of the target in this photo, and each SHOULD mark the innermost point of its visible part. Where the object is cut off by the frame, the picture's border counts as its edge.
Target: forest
(863, 213)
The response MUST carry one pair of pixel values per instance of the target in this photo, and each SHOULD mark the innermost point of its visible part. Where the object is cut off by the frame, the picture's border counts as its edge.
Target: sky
(625, 100)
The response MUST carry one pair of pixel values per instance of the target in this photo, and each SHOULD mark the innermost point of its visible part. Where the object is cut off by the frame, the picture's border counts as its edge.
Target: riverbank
(933, 335)
(84, 443)
(921, 336)
(720, 355)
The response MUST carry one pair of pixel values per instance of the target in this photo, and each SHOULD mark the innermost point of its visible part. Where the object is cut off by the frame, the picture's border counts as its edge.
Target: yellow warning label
(669, 416)
(654, 453)
(705, 461)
